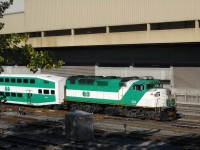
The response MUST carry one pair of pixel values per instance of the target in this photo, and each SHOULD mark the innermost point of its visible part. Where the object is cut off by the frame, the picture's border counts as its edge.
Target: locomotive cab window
(142, 87)
(136, 87)
(158, 85)
(139, 87)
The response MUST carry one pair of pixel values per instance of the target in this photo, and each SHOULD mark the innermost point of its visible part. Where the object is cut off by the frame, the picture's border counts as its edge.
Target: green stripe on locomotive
(113, 87)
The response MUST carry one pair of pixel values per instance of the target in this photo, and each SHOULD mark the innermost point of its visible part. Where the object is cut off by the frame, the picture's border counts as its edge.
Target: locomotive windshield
(157, 85)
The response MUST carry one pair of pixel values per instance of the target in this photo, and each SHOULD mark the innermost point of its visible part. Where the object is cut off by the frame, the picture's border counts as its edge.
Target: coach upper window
(32, 81)
(19, 80)
(7, 80)
(25, 80)
(13, 80)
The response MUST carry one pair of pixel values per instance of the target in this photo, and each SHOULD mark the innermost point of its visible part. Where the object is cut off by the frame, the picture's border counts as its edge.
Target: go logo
(7, 88)
(86, 94)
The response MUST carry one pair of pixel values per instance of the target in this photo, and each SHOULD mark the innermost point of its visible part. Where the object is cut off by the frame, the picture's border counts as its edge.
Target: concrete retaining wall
(18, 70)
(67, 71)
(157, 73)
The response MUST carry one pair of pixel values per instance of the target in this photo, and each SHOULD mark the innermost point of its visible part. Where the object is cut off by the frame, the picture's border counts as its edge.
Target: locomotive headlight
(157, 94)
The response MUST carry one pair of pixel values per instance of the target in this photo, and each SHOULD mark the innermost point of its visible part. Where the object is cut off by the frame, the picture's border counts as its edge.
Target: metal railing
(186, 98)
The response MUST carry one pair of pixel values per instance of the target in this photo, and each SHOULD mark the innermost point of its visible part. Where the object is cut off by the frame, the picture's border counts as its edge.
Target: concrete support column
(196, 24)
(107, 30)
(72, 31)
(148, 32)
(42, 38)
(196, 30)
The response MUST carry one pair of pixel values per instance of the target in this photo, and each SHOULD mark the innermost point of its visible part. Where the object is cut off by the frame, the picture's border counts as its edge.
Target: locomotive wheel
(171, 115)
(57, 107)
(88, 108)
(132, 113)
(163, 116)
(73, 107)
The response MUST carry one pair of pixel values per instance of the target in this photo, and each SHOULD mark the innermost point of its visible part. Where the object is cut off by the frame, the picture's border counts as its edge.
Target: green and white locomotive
(28, 89)
(130, 96)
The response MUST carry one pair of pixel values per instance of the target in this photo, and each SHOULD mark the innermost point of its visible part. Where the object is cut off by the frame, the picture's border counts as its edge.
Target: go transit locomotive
(129, 96)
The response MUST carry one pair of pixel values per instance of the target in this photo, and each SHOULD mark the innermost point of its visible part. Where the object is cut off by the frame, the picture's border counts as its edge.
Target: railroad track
(184, 130)
(17, 140)
(176, 127)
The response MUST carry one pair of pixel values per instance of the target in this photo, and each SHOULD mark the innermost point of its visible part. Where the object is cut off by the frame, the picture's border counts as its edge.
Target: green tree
(15, 50)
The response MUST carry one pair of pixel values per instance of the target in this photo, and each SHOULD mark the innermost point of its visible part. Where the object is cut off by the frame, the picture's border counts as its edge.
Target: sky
(18, 6)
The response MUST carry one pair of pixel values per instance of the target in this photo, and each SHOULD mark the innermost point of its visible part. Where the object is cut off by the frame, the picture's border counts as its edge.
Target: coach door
(29, 96)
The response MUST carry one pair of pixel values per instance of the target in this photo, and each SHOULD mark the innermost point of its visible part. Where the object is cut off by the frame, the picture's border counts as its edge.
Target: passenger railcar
(131, 96)
(32, 89)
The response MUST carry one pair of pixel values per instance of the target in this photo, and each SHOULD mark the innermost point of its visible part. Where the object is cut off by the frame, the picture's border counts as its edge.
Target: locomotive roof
(41, 76)
(112, 79)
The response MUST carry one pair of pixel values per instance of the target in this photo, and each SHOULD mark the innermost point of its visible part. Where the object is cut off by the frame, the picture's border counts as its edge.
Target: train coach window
(19, 80)
(39, 91)
(46, 91)
(7, 94)
(52, 92)
(1, 79)
(13, 94)
(1, 93)
(25, 81)
(32, 81)
(7, 80)
(19, 94)
(13, 80)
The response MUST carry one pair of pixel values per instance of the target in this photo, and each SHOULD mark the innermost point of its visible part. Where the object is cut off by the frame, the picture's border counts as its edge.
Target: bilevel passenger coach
(32, 89)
